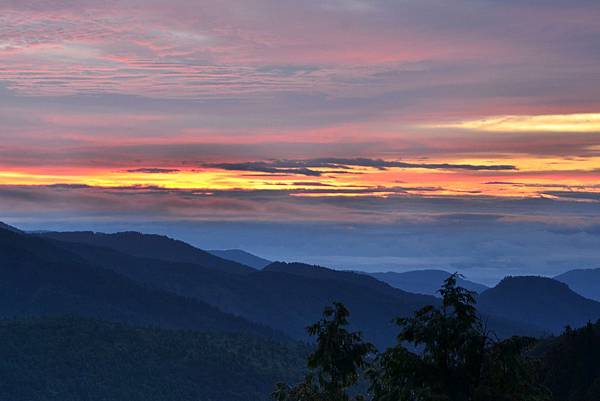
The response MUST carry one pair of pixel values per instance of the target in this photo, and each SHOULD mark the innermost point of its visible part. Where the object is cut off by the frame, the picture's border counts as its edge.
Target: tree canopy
(443, 353)
(336, 362)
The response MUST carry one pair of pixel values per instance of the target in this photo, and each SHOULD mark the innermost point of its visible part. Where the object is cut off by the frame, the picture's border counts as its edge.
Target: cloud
(264, 167)
(328, 204)
(582, 122)
(544, 185)
(334, 91)
(153, 170)
(307, 167)
(483, 237)
(579, 196)
(311, 184)
(69, 186)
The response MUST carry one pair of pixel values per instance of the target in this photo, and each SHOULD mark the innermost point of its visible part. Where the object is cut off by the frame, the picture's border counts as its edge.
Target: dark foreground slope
(570, 364)
(38, 278)
(70, 359)
(585, 282)
(539, 301)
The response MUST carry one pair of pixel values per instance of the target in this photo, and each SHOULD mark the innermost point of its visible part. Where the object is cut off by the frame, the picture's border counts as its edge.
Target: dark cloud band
(153, 170)
(307, 167)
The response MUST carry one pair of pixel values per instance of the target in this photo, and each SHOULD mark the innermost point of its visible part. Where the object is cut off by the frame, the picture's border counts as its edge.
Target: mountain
(38, 278)
(293, 295)
(72, 359)
(539, 301)
(324, 274)
(281, 296)
(242, 257)
(585, 282)
(424, 281)
(284, 296)
(4, 226)
(151, 246)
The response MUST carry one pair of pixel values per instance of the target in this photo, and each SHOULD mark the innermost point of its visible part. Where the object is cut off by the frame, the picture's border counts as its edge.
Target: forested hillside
(72, 359)
(285, 296)
(571, 364)
(38, 278)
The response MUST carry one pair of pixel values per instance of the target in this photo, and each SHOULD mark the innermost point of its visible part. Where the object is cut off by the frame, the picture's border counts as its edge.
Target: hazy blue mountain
(585, 282)
(73, 359)
(539, 301)
(283, 300)
(151, 246)
(284, 296)
(39, 278)
(243, 257)
(323, 273)
(424, 281)
(286, 300)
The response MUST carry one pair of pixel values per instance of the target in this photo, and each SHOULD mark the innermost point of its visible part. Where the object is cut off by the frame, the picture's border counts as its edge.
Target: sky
(384, 135)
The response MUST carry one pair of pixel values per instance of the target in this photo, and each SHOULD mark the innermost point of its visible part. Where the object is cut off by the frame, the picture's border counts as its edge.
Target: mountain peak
(541, 301)
(533, 283)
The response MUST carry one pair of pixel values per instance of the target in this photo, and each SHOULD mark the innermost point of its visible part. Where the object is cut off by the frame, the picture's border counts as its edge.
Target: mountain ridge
(583, 281)
(541, 301)
(284, 296)
(151, 246)
(427, 281)
(42, 279)
(283, 301)
(7, 227)
(242, 257)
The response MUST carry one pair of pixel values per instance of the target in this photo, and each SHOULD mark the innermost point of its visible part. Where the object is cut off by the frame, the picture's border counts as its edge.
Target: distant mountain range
(583, 281)
(155, 280)
(424, 281)
(284, 296)
(243, 257)
(281, 296)
(210, 319)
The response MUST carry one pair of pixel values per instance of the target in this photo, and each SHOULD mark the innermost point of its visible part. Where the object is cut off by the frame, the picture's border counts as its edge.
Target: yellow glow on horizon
(581, 122)
(532, 178)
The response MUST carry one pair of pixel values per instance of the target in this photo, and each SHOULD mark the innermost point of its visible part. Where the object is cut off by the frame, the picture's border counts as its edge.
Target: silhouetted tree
(570, 364)
(451, 358)
(335, 364)
(454, 359)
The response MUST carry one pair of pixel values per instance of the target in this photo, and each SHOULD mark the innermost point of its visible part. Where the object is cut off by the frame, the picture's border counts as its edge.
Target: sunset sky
(334, 112)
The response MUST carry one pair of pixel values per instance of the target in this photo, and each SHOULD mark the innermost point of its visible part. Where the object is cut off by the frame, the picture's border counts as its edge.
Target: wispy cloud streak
(307, 167)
